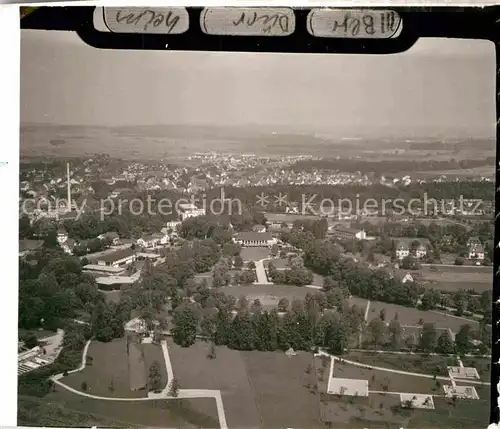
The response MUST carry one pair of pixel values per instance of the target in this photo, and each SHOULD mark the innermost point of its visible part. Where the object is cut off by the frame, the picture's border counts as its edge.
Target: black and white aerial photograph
(255, 240)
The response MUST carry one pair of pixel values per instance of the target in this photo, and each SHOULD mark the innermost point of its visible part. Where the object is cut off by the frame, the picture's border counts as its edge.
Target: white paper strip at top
(353, 23)
(248, 21)
(154, 20)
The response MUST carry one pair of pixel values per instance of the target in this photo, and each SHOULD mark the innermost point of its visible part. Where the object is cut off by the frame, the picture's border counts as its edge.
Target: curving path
(164, 394)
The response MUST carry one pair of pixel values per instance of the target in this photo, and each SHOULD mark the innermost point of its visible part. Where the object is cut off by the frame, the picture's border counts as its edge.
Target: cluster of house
(411, 247)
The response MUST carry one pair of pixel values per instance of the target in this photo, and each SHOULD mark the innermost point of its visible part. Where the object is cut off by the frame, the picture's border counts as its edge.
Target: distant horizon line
(280, 129)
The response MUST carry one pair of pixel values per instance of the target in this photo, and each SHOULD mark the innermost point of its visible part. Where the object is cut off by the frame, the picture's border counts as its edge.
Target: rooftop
(254, 236)
(116, 256)
(113, 280)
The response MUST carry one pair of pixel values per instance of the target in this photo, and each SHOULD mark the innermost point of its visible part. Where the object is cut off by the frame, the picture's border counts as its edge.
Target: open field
(451, 279)
(284, 389)
(278, 263)
(466, 414)
(108, 375)
(254, 253)
(434, 365)
(259, 389)
(33, 411)
(387, 381)
(185, 413)
(411, 316)
(269, 295)
(227, 373)
(111, 374)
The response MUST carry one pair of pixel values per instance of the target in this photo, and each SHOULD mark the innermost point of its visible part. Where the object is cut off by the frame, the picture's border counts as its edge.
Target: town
(385, 315)
(259, 239)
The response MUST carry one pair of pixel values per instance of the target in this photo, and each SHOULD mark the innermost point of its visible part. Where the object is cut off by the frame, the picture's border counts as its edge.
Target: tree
(212, 354)
(462, 339)
(30, 340)
(377, 329)
(154, 376)
(185, 325)
(251, 265)
(274, 250)
(430, 299)
(382, 315)
(445, 343)
(395, 332)
(238, 262)
(459, 260)
(460, 302)
(283, 304)
(174, 388)
(256, 306)
(428, 338)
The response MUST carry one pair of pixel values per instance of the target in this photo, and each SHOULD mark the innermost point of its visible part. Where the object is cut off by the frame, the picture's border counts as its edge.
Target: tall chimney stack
(69, 187)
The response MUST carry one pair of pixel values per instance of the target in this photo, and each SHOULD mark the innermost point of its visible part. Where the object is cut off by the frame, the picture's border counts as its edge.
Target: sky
(438, 87)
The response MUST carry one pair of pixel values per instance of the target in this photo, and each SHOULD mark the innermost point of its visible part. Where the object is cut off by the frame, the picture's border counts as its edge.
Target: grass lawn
(278, 263)
(384, 411)
(227, 373)
(454, 286)
(466, 414)
(284, 389)
(153, 353)
(376, 411)
(387, 381)
(483, 366)
(269, 295)
(433, 365)
(108, 375)
(411, 316)
(192, 413)
(254, 253)
(33, 411)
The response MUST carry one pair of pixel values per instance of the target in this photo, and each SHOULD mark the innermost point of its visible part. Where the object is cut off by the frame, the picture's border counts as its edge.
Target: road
(164, 394)
(261, 273)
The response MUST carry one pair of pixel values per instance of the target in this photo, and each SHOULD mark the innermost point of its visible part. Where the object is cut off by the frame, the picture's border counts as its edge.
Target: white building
(255, 239)
(187, 211)
(402, 251)
(476, 252)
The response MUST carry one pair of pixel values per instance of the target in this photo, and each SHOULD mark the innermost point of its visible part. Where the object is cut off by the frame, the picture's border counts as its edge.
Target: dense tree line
(324, 258)
(37, 382)
(242, 325)
(52, 288)
(429, 339)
